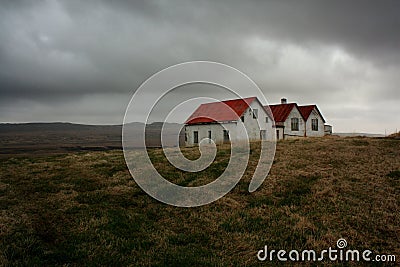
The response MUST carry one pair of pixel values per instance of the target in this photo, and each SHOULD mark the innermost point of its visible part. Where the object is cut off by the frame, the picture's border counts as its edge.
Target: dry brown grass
(394, 135)
(85, 209)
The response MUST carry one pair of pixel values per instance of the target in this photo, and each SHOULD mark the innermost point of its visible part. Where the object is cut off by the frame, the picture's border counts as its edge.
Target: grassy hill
(83, 208)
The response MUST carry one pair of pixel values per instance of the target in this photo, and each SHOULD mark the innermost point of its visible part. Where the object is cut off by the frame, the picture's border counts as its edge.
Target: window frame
(294, 124)
(255, 113)
(314, 124)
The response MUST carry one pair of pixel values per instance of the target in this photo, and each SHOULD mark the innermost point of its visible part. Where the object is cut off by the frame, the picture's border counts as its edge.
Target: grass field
(85, 209)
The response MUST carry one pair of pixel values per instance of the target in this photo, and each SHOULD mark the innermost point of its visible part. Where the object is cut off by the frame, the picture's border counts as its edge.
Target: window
(195, 137)
(255, 113)
(314, 124)
(295, 124)
(266, 119)
(242, 118)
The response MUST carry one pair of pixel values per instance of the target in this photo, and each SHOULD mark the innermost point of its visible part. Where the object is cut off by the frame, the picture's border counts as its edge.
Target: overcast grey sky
(81, 61)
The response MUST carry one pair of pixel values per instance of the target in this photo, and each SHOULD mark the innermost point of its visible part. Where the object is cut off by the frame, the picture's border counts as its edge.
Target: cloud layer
(81, 61)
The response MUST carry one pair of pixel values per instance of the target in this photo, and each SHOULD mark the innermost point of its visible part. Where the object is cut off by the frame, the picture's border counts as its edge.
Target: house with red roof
(292, 120)
(224, 121)
(248, 119)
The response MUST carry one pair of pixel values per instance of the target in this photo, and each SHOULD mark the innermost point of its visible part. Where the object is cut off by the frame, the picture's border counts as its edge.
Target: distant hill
(52, 127)
(358, 134)
(49, 138)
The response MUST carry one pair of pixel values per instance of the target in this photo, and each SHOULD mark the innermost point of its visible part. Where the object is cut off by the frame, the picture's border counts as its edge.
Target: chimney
(283, 101)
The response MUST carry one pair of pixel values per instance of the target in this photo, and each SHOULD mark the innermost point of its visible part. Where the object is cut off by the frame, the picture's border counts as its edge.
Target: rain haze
(81, 61)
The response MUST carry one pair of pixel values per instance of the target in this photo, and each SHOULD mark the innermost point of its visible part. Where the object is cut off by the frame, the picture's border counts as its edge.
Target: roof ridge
(307, 105)
(292, 103)
(235, 99)
(221, 110)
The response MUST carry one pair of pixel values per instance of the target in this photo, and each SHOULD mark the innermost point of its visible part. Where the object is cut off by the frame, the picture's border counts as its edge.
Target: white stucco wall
(254, 126)
(295, 113)
(315, 115)
(216, 132)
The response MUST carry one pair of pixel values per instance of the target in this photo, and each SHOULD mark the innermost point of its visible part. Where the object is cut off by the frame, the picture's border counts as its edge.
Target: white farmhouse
(220, 122)
(292, 120)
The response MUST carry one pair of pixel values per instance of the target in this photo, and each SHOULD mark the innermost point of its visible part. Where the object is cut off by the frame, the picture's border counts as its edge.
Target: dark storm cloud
(310, 51)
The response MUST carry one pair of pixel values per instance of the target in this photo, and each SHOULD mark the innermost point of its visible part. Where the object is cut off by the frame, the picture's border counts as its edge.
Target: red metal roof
(306, 111)
(229, 110)
(282, 111)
